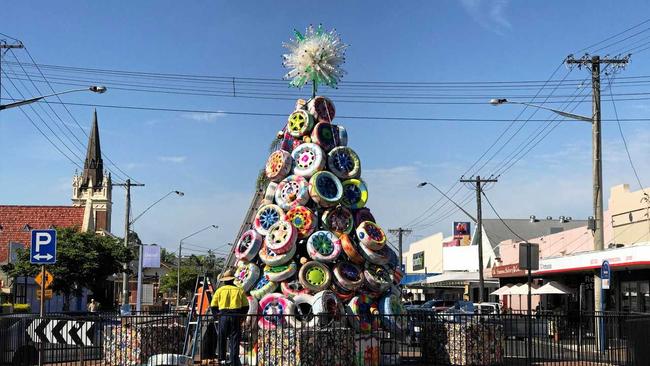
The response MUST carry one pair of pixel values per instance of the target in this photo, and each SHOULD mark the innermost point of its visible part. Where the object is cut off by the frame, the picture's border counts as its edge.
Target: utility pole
(127, 224)
(400, 233)
(594, 63)
(479, 229)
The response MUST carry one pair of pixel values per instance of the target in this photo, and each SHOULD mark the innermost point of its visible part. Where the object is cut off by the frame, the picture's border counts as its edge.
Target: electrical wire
(499, 216)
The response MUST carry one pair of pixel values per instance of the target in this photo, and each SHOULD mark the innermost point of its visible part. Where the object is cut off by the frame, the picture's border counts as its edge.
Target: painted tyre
(246, 275)
(292, 288)
(377, 278)
(314, 276)
(393, 313)
(371, 235)
(281, 272)
(289, 142)
(397, 275)
(281, 238)
(303, 219)
(348, 275)
(355, 193)
(299, 123)
(292, 191)
(274, 259)
(379, 257)
(253, 308)
(339, 220)
(363, 313)
(341, 292)
(327, 307)
(308, 159)
(324, 246)
(393, 261)
(266, 216)
(344, 163)
(304, 311)
(322, 109)
(272, 308)
(351, 249)
(269, 193)
(278, 165)
(325, 189)
(263, 287)
(329, 136)
(361, 215)
(248, 245)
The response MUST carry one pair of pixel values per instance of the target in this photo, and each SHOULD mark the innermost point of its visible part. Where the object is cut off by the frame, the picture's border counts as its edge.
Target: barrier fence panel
(416, 338)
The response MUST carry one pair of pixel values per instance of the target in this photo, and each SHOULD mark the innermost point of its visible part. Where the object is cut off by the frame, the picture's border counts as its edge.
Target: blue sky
(215, 158)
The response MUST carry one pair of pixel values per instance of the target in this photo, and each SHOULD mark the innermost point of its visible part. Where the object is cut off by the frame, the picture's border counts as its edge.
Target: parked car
(487, 308)
(438, 305)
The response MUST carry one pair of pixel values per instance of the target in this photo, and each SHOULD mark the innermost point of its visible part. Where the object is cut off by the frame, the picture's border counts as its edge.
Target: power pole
(594, 63)
(127, 224)
(400, 232)
(479, 229)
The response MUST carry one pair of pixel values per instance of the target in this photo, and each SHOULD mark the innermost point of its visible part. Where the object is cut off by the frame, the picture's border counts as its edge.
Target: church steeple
(93, 165)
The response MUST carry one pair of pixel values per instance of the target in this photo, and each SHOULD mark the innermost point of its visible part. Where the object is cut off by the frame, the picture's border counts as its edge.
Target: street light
(178, 263)
(447, 197)
(499, 101)
(138, 292)
(94, 88)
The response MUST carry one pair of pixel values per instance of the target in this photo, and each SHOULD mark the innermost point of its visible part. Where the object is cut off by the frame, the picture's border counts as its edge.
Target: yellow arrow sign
(48, 279)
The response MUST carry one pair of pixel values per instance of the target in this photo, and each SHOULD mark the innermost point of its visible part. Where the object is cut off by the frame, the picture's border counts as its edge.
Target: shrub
(22, 308)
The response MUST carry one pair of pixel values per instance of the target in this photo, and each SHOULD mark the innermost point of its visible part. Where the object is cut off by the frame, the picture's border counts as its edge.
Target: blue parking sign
(43, 248)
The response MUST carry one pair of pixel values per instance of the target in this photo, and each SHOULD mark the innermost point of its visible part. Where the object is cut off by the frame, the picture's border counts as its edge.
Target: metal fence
(419, 338)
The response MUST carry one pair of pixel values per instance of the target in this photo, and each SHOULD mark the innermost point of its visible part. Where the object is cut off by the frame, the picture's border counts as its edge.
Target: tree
(84, 260)
(191, 267)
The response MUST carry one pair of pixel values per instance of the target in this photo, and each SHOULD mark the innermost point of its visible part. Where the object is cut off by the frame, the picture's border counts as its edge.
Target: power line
(614, 36)
(499, 216)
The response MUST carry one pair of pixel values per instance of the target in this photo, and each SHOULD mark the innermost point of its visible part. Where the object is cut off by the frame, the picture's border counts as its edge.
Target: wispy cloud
(491, 15)
(173, 159)
(203, 116)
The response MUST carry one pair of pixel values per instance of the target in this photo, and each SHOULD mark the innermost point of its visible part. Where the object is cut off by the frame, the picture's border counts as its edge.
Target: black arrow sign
(71, 332)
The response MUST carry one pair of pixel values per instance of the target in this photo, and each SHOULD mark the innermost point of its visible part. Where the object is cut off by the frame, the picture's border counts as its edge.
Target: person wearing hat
(231, 305)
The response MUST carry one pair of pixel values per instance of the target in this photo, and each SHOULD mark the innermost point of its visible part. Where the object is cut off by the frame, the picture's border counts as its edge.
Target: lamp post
(178, 263)
(94, 88)
(138, 293)
(448, 198)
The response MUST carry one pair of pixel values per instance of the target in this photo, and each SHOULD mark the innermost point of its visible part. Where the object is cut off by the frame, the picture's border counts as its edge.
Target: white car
(487, 308)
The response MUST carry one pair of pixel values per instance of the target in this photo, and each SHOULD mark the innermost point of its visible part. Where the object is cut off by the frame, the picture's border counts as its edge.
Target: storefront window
(629, 302)
(644, 297)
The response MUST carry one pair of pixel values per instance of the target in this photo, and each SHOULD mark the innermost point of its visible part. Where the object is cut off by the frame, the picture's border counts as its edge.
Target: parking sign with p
(43, 248)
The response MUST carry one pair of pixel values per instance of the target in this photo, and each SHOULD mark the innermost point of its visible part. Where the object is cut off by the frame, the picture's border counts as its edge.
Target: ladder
(200, 307)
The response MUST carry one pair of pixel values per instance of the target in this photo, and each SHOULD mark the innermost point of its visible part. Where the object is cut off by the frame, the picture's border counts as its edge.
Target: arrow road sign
(43, 248)
(70, 332)
(48, 279)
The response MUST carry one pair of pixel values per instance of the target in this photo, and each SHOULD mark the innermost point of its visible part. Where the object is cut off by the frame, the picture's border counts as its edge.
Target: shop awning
(630, 256)
(553, 288)
(504, 290)
(456, 279)
(522, 289)
(414, 278)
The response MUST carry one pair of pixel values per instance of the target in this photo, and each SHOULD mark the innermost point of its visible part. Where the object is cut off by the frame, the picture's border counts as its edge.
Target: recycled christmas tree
(315, 247)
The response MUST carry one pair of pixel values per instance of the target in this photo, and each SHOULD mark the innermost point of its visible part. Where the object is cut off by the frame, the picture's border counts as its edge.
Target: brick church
(90, 211)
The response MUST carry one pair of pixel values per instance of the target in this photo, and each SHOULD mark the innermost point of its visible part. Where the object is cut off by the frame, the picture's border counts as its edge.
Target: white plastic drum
(248, 245)
(273, 307)
(371, 235)
(308, 159)
(269, 193)
(299, 123)
(274, 259)
(278, 165)
(281, 272)
(246, 275)
(282, 237)
(324, 246)
(303, 219)
(292, 191)
(322, 109)
(339, 220)
(329, 136)
(355, 193)
(266, 216)
(304, 312)
(327, 307)
(393, 313)
(292, 288)
(380, 257)
(344, 163)
(325, 189)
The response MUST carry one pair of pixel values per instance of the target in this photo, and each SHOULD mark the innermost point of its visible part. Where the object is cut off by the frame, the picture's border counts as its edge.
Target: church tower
(92, 189)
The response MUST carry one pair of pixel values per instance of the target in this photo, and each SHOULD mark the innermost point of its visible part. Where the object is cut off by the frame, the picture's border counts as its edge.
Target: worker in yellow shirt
(231, 305)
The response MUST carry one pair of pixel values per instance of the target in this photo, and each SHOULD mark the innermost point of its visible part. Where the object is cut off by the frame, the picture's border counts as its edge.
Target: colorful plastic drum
(314, 276)
(274, 259)
(325, 189)
(351, 249)
(304, 312)
(348, 275)
(292, 191)
(289, 142)
(377, 278)
(308, 159)
(344, 163)
(273, 307)
(364, 313)
(281, 238)
(355, 193)
(248, 245)
(339, 220)
(246, 275)
(299, 123)
(269, 193)
(393, 313)
(397, 275)
(263, 287)
(322, 109)
(371, 235)
(341, 292)
(292, 288)
(329, 136)
(361, 215)
(303, 219)
(281, 272)
(379, 257)
(266, 216)
(327, 307)
(324, 246)
(278, 165)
